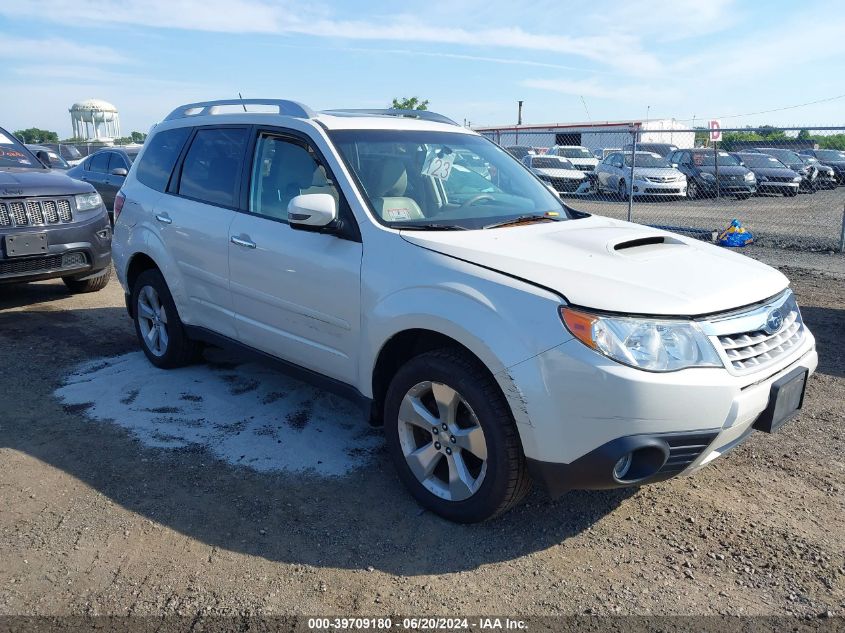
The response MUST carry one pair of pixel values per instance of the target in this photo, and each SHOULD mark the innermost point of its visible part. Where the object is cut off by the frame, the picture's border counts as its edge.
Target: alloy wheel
(152, 320)
(442, 441)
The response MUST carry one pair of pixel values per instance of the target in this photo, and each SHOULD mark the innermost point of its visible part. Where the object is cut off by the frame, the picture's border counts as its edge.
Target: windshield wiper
(434, 226)
(520, 219)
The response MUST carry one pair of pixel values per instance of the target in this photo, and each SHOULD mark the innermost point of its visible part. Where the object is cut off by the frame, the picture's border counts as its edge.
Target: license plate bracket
(785, 400)
(26, 244)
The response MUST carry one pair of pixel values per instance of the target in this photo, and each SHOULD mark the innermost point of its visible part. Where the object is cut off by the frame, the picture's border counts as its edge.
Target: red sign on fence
(715, 130)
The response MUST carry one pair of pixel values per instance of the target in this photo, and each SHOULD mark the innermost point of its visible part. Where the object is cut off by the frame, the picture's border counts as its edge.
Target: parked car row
(106, 170)
(664, 170)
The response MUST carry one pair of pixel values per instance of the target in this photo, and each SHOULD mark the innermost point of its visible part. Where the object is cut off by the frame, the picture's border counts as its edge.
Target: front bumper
(648, 188)
(78, 250)
(729, 186)
(777, 187)
(583, 412)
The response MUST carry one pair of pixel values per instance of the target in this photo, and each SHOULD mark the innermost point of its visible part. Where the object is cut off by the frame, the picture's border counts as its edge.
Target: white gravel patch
(246, 414)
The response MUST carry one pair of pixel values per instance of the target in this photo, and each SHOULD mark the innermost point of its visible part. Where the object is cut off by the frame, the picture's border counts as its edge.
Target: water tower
(94, 120)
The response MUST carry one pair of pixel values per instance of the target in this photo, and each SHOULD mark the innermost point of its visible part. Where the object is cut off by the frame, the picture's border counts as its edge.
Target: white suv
(499, 335)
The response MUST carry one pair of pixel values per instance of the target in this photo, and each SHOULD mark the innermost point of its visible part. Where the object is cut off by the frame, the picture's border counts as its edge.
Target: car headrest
(391, 181)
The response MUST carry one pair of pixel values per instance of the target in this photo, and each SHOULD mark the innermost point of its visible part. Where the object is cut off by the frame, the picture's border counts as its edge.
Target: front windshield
(71, 152)
(574, 152)
(761, 160)
(14, 154)
(706, 159)
(784, 156)
(830, 154)
(420, 179)
(551, 162)
(646, 160)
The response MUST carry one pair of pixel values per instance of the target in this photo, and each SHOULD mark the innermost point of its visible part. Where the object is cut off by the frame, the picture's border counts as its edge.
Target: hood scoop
(647, 246)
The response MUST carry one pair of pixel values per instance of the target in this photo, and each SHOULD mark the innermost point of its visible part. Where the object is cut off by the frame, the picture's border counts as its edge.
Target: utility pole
(519, 113)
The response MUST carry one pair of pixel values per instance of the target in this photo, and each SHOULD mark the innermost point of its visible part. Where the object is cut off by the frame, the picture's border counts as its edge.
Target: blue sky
(473, 59)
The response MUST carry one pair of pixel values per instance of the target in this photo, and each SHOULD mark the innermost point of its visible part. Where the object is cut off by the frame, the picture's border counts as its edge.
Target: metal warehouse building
(592, 135)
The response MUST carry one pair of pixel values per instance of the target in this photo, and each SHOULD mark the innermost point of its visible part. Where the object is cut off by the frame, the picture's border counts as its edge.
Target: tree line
(36, 136)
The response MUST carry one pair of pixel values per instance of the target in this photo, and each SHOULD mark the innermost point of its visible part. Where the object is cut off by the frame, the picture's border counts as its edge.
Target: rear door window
(212, 167)
(99, 163)
(160, 156)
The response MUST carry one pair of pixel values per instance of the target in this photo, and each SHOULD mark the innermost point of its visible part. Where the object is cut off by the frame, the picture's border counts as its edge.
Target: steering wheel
(477, 198)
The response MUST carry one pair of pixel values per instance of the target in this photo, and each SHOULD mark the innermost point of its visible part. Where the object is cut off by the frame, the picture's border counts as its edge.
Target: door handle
(164, 219)
(242, 242)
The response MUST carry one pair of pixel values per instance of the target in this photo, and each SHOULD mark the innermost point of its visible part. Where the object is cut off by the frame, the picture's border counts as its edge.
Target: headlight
(650, 344)
(88, 201)
(796, 179)
(708, 176)
(749, 176)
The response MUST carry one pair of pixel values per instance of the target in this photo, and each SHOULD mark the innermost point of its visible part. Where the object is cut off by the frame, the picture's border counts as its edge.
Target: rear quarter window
(160, 156)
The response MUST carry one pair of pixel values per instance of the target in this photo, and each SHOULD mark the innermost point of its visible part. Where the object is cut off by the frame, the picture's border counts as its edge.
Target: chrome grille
(36, 215)
(18, 214)
(64, 210)
(51, 211)
(35, 212)
(748, 341)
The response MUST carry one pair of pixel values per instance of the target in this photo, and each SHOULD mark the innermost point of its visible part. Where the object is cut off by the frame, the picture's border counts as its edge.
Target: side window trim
(351, 230)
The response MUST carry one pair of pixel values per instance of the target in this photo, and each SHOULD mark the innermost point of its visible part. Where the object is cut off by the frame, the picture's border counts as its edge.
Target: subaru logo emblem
(774, 321)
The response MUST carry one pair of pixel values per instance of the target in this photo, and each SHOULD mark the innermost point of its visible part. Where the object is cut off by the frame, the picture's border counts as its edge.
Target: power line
(792, 107)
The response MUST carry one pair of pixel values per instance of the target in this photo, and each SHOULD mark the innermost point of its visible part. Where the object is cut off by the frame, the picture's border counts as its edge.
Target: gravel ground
(94, 519)
(807, 221)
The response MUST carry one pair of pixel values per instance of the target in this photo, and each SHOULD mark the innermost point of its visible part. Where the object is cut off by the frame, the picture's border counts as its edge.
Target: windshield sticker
(438, 164)
(398, 214)
(5, 139)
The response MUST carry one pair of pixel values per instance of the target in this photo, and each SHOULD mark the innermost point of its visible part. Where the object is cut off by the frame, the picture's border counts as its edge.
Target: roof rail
(425, 115)
(286, 107)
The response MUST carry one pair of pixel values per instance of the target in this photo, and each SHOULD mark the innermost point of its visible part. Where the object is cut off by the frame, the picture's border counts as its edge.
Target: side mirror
(675, 165)
(119, 171)
(44, 158)
(312, 209)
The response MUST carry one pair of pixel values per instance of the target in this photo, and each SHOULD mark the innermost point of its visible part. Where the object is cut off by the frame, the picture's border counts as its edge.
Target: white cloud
(13, 47)
(622, 51)
(630, 93)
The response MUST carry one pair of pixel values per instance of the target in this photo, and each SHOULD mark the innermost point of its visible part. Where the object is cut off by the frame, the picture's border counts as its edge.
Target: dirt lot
(99, 517)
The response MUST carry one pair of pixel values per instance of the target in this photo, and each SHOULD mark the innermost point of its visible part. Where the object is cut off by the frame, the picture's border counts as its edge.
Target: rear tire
(88, 285)
(794, 192)
(474, 469)
(157, 324)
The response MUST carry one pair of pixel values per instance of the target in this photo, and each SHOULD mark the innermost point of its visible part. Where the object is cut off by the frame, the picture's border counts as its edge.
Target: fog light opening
(640, 464)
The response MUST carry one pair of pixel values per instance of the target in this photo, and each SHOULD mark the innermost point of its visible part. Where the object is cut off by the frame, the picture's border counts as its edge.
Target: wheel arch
(403, 346)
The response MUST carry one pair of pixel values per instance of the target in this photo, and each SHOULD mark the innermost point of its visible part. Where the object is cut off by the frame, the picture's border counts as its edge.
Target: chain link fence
(785, 185)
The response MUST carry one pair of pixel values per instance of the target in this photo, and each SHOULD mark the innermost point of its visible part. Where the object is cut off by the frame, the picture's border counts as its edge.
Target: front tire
(453, 439)
(622, 190)
(157, 325)
(692, 190)
(92, 284)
